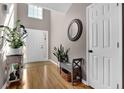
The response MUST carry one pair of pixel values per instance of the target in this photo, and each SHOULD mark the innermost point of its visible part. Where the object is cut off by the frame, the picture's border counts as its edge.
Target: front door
(104, 65)
(36, 45)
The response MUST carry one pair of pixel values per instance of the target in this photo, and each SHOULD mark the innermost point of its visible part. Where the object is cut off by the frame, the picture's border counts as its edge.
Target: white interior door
(36, 45)
(104, 62)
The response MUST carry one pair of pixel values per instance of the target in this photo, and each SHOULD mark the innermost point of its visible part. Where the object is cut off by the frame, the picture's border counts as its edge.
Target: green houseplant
(61, 54)
(14, 36)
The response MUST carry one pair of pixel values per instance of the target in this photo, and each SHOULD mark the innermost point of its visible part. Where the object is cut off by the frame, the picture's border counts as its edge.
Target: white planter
(12, 51)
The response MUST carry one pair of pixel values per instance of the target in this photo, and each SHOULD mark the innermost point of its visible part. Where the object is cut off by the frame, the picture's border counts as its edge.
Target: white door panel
(103, 36)
(36, 45)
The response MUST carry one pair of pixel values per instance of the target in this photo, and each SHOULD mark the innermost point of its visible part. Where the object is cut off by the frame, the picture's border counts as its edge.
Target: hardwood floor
(43, 75)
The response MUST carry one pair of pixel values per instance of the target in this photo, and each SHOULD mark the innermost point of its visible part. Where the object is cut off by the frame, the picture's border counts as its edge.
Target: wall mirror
(75, 30)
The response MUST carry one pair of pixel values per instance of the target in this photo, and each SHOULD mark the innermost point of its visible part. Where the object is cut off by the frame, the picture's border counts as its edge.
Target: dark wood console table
(75, 68)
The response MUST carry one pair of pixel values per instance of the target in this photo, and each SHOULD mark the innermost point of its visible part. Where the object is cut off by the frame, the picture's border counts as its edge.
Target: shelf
(14, 80)
(13, 74)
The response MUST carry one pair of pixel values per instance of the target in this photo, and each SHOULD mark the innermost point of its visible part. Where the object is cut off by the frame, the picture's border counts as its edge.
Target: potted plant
(61, 54)
(15, 37)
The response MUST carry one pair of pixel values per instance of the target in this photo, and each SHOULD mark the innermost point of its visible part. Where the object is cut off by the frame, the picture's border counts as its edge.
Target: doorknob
(90, 51)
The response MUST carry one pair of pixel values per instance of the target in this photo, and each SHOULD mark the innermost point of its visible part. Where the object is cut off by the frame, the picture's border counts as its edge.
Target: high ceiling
(60, 7)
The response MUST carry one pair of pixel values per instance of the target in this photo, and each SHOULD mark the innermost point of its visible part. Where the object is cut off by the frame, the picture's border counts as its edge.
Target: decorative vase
(16, 51)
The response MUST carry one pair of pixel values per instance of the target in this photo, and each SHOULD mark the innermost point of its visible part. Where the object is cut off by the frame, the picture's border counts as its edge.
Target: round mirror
(75, 30)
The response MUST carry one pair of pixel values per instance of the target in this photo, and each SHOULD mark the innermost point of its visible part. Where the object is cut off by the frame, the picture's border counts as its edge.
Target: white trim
(35, 61)
(120, 45)
(87, 44)
(85, 82)
(53, 62)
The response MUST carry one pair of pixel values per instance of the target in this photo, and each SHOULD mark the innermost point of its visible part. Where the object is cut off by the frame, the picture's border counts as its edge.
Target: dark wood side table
(75, 68)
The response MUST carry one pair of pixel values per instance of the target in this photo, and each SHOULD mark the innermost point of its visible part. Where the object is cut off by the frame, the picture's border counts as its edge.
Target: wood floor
(43, 75)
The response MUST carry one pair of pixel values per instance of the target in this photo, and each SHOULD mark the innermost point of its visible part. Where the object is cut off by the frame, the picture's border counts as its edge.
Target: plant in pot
(14, 36)
(61, 54)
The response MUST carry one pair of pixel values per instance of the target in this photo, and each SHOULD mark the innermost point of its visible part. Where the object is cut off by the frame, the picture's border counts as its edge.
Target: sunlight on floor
(45, 76)
(25, 79)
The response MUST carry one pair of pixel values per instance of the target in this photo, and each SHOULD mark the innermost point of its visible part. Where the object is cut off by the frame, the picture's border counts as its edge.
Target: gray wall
(44, 24)
(59, 26)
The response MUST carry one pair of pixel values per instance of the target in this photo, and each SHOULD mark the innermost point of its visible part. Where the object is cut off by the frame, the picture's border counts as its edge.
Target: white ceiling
(60, 7)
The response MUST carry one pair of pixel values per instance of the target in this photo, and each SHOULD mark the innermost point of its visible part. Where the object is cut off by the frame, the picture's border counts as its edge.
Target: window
(35, 11)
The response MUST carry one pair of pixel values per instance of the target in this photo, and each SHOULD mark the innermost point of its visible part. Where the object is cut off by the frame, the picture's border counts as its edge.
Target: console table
(14, 61)
(75, 68)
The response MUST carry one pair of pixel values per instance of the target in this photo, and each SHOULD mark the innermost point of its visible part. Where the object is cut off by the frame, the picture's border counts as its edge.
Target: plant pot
(12, 51)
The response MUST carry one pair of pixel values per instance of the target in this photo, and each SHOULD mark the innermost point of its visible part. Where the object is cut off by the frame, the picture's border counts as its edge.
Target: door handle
(90, 51)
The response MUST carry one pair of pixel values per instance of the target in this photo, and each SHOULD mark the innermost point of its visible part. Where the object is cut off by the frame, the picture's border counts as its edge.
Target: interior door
(104, 65)
(36, 45)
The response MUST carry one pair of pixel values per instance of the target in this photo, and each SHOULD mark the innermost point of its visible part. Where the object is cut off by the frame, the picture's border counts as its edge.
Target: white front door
(36, 45)
(104, 63)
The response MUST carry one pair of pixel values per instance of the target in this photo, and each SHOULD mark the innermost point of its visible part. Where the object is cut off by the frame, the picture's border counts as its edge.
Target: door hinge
(117, 44)
(117, 86)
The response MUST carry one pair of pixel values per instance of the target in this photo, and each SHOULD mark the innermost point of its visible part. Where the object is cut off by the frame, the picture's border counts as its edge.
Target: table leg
(72, 79)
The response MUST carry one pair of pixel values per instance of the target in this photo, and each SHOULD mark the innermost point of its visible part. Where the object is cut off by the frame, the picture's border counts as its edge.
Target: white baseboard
(5, 85)
(85, 82)
(53, 62)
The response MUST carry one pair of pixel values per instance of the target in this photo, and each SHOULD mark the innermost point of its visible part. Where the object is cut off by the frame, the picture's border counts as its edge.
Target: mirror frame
(80, 28)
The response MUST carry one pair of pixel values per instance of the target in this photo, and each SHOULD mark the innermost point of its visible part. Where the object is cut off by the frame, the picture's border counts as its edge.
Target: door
(36, 45)
(104, 62)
